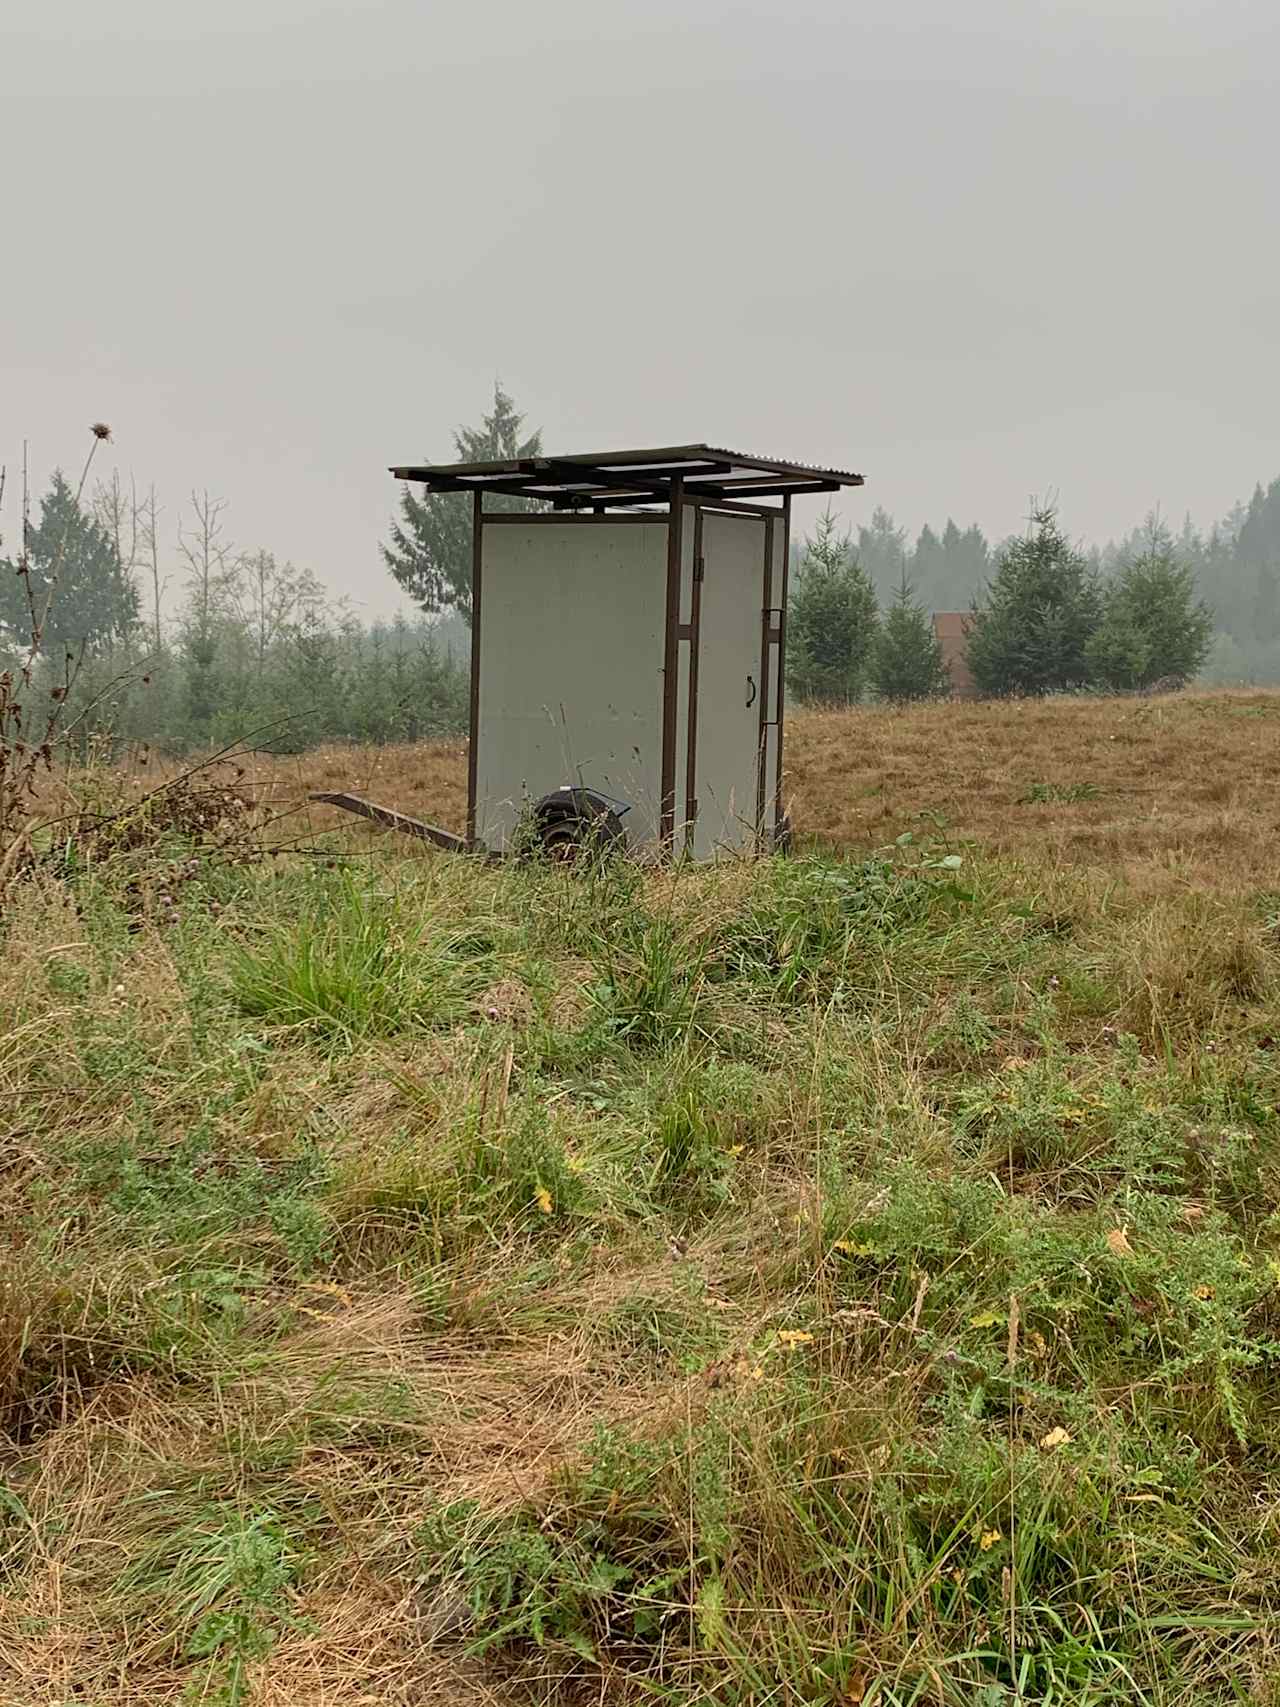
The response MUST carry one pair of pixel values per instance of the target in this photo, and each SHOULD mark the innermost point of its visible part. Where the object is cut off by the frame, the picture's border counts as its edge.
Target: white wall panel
(571, 654)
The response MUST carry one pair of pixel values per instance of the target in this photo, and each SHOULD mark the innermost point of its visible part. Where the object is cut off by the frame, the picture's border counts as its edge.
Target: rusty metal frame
(473, 734)
(732, 506)
(695, 647)
(671, 665)
(572, 518)
(766, 645)
(565, 518)
(628, 477)
(779, 815)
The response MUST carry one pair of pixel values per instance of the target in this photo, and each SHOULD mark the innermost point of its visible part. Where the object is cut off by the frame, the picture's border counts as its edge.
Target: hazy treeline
(1236, 565)
(163, 631)
(242, 644)
(322, 677)
(1233, 571)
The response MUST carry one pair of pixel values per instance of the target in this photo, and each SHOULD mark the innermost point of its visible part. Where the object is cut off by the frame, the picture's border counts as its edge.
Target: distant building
(952, 630)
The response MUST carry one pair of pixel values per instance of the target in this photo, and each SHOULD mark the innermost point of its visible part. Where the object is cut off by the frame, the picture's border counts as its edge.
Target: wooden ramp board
(393, 820)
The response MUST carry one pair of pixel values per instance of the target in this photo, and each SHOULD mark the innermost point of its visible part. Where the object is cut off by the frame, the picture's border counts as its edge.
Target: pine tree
(1153, 627)
(1266, 605)
(203, 626)
(929, 568)
(94, 602)
(832, 620)
(882, 546)
(906, 657)
(1226, 664)
(430, 548)
(1031, 632)
(966, 562)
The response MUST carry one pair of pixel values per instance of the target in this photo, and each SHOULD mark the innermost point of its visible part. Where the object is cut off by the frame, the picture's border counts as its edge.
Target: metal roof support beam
(607, 477)
(800, 487)
(599, 480)
(607, 499)
(732, 506)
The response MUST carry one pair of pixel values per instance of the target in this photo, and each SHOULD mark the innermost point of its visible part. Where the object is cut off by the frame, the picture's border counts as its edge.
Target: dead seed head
(101, 430)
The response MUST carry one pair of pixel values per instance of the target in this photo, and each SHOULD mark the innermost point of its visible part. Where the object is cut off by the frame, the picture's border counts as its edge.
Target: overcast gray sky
(973, 250)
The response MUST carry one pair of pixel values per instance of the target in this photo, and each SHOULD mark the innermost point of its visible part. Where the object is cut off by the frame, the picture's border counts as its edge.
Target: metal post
(766, 644)
(691, 731)
(473, 739)
(670, 663)
(779, 816)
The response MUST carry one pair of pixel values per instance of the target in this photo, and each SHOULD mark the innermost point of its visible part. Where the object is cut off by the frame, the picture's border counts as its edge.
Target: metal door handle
(751, 697)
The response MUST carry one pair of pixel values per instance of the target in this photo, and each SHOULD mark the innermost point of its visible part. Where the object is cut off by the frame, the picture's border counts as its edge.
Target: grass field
(1180, 790)
(851, 1279)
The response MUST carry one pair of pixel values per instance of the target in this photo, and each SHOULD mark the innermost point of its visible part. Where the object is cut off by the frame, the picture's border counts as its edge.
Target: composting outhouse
(628, 645)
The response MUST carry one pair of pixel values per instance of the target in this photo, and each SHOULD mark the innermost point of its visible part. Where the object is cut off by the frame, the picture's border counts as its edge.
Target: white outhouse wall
(571, 653)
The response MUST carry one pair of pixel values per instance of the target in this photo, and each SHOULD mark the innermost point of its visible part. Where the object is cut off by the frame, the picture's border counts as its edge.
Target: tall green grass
(360, 962)
(812, 1282)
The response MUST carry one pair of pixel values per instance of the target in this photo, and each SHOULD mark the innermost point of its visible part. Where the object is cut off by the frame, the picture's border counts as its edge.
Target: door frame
(776, 517)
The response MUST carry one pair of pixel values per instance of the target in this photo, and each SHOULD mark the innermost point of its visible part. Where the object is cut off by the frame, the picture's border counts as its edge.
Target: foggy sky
(973, 250)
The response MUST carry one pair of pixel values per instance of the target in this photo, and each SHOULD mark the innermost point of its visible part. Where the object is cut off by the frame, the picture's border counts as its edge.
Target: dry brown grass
(1186, 787)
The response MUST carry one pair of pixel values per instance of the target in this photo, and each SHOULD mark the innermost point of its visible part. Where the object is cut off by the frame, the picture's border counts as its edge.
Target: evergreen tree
(93, 604)
(1266, 606)
(882, 549)
(430, 548)
(929, 569)
(966, 562)
(832, 620)
(204, 627)
(1226, 664)
(1153, 627)
(315, 680)
(906, 657)
(1030, 634)
(1258, 534)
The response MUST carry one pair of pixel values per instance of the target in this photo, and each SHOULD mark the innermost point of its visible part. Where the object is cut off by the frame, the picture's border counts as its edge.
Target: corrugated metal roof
(632, 476)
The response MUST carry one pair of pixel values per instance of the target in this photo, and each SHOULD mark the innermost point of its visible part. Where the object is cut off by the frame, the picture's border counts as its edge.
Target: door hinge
(691, 810)
(699, 568)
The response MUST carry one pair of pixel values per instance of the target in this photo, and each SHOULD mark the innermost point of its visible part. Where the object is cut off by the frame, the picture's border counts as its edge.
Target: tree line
(246, 642)
(1047, 620)
(250, 647)
(1235, 568)
(1044, 614)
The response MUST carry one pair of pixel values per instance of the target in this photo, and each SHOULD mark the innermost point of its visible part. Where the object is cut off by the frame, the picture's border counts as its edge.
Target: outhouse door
(728, 720)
